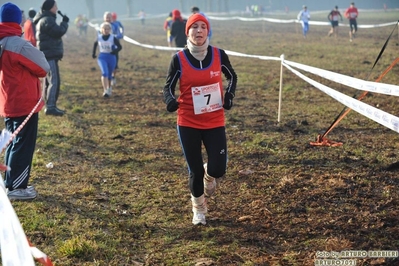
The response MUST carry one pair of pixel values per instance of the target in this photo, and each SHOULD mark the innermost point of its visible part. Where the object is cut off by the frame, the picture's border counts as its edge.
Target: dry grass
(118, 192)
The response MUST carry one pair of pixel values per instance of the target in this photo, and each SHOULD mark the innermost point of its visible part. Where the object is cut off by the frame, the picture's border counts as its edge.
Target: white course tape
(150, 46)
(5, 137)
(377, 115)
(253, 19)
(356, 83)
(37, 253)
(15, 250)
(130, 40)
(253, 56)
(374, 26)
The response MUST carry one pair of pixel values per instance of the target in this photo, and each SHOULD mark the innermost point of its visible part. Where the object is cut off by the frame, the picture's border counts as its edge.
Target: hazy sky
(74, 7)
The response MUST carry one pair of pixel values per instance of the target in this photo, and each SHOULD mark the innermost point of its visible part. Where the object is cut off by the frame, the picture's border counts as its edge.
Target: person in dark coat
(178, 29)
(49, 41)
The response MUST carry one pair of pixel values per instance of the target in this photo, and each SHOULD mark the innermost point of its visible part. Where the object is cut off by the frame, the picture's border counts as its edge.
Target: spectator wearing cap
(199, 69)
(29, 27)
(195, 10)
(49, 41)
(304, 17)
(20, 100)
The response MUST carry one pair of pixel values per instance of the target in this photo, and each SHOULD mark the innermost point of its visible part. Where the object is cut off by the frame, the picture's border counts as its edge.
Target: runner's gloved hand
(65, 19)
(94, 56)
(228, 100)
(172, 106)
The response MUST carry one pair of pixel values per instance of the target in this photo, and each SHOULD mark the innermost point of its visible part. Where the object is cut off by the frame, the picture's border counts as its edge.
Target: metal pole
(281, 89)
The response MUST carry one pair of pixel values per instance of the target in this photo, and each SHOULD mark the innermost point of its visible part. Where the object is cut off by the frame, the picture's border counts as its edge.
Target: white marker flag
(15, 250)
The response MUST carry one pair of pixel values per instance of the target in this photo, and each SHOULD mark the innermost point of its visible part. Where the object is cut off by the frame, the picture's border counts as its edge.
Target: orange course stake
(321, 140)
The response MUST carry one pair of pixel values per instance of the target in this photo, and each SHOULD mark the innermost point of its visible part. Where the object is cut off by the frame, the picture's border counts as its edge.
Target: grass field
(118, 192)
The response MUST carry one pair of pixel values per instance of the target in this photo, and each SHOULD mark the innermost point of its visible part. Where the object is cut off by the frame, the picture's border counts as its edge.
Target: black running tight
(214, 141)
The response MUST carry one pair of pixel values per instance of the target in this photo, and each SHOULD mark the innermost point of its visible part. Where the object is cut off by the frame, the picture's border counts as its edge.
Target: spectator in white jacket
(304, 17)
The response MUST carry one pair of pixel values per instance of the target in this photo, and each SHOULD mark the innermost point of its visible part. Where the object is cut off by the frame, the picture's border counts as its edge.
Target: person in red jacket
(200, 109)
(21, 66)
(351, 13)
(166, 26)
(29, 27)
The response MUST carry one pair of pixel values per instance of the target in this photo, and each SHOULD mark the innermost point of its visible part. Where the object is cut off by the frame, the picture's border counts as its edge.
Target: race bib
(206, 99)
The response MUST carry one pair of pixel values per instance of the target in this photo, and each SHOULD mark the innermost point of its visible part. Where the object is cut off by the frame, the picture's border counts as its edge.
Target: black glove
(172, 106)
(114, 49)
(65, 19)
(228, 101)
(94, 56)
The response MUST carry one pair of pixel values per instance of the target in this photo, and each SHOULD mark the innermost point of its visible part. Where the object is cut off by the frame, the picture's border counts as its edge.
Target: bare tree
(226, 6)
(209, 5)
(129, 8)
(90, 7)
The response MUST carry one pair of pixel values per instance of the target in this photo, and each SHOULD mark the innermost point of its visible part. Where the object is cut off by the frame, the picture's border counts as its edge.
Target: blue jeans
(52, 85)
(305, 27)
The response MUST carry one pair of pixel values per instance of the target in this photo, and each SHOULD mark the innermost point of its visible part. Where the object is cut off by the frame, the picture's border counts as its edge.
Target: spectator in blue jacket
(118, 31)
